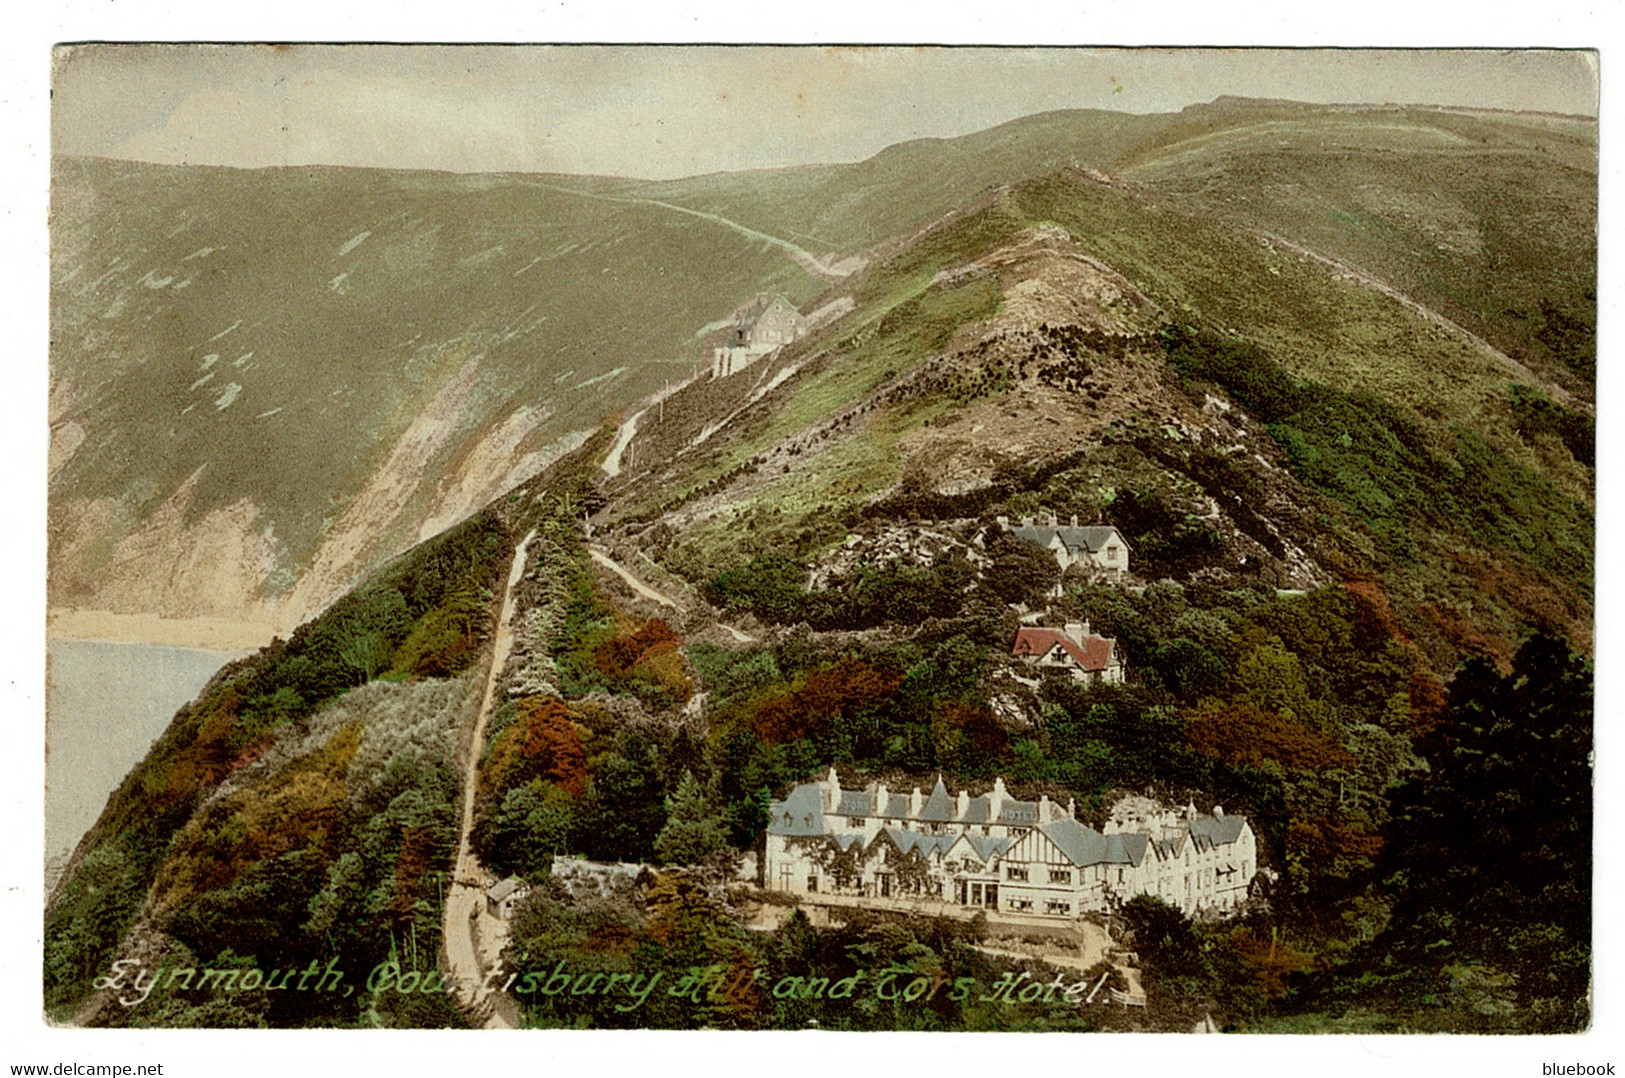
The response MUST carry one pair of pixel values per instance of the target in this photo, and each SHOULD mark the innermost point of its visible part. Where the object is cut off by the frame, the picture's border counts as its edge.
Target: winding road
(802, 257)
(631, 581)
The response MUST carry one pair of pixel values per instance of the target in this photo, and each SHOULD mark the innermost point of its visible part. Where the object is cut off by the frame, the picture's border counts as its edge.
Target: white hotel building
(999, 853)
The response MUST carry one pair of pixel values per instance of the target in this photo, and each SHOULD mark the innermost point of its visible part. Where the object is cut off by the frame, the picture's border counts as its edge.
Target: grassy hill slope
(272, 336)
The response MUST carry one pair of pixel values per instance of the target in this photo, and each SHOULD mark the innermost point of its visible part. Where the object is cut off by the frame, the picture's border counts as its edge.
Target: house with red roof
(1081, 653)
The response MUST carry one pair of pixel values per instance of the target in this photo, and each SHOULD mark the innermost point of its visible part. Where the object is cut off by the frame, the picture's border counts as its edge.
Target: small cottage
(1098, 546)
(503, 899)
(1075, 649)
(762, 326)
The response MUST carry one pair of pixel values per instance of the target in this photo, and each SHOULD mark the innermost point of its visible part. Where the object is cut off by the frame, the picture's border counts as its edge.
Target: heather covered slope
(1489, 219)
(1142, 352)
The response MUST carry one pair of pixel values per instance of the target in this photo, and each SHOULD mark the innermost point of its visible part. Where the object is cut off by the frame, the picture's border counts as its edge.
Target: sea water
(106, 703)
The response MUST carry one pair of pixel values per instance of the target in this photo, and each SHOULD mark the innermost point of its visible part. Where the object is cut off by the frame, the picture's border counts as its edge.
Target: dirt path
(631, 581)
(1551, 389)
(623, 438)
(465, 918)
(802, 257)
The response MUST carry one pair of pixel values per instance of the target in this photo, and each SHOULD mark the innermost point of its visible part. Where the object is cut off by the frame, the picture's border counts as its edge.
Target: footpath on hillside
(467, 924)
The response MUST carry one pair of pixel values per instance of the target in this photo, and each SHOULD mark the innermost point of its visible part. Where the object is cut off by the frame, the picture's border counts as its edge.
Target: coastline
(202, 633)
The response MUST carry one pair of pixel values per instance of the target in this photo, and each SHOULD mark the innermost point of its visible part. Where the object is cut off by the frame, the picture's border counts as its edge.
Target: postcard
(803, 538)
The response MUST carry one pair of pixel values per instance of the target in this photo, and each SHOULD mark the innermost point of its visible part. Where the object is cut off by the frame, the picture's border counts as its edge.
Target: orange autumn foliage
(1320, 841)
(833, 693)
(542, 742)
(616, 658)
(1243, 734)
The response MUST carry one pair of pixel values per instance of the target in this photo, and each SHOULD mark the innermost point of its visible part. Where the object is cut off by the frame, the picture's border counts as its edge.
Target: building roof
(500, 891)
(986, 847)
(1127, 848)
(914, 841)
(938, 808)
(1090, 539)
(1018, 812)
(1218, 830)
(800, 813)
(1094, 654)
(751, 311)
(1083, 845)
(855, 803)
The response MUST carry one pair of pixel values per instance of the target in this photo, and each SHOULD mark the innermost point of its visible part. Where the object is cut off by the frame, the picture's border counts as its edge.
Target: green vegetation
(1489, 870)
(1364, 453)
(686, 964)
(1425, 835)
(423, 615)
(771, 587)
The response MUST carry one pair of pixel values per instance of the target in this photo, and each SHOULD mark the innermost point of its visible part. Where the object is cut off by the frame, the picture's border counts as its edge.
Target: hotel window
(1021, 904)
(1058, 907)
(1060, 875)
(1013, 873)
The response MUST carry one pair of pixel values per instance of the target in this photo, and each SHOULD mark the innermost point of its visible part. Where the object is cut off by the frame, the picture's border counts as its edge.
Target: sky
(660, 112)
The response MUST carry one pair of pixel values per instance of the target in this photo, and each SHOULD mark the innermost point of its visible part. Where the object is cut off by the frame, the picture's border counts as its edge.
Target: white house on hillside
(996, 852)
(760, 327)
(1091, 546)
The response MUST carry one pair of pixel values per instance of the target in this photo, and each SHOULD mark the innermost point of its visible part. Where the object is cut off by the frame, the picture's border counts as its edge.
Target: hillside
(1358, 615)
(406, 346)
(264, 383)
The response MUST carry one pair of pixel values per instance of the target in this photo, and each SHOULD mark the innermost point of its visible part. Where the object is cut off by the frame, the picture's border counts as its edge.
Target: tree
(1490, 851)
(368, 632)
(695, 825)
(1163, 936)
(1021, 571)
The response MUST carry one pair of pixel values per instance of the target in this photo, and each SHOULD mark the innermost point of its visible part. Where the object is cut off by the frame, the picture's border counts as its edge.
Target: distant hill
(263, 382)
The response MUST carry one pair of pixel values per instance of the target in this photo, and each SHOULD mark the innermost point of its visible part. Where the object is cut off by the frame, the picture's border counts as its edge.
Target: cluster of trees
(1487, 873)
(573, 777)
(343, 851)
(773, 587)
